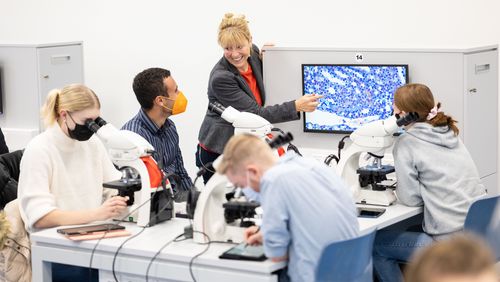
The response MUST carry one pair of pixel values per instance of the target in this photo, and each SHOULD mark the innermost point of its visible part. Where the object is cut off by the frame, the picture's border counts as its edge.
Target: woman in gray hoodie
(433, 169)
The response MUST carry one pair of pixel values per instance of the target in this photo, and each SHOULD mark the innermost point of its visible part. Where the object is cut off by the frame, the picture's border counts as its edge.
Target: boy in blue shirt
(306, 205)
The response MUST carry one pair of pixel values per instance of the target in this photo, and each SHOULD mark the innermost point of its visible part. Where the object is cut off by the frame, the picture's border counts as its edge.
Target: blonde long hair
(72, 98)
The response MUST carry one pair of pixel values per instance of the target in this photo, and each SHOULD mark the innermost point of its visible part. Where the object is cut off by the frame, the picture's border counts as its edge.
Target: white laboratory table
(393, 214)
(173, 263)
(132, 261)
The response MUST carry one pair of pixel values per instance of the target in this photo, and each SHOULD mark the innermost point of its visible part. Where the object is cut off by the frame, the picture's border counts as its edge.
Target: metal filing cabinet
(28, 72)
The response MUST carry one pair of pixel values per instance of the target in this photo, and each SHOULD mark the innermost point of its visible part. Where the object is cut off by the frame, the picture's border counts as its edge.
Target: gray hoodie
(434, 169)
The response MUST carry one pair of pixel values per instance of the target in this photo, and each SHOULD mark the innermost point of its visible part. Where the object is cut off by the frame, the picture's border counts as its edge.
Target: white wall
(123, 37)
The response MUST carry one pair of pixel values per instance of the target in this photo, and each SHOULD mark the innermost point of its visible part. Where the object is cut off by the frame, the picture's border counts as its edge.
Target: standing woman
(236, 81)
(434, 170)
(63, 169)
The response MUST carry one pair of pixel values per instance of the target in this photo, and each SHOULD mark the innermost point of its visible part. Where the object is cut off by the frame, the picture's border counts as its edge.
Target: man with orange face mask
(159, 97)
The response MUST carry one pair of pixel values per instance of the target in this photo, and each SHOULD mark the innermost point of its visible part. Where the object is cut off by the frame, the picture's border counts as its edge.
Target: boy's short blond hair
(242, 149)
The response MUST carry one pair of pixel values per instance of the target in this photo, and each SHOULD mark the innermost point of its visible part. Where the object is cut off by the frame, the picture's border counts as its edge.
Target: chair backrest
(481, 220)
(349, 260)
(9, 176)
(10, 162)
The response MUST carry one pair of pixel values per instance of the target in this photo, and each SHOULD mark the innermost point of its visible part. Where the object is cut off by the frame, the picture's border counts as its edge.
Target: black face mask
(80, 132)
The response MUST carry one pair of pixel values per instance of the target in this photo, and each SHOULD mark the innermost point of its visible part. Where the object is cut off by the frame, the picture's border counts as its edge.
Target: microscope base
(379, 198)
(228, 233)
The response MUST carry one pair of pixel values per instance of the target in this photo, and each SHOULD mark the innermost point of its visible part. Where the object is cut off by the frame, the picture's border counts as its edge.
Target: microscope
(243, 122)
(214, 213)
(372, 138)
(148, 189)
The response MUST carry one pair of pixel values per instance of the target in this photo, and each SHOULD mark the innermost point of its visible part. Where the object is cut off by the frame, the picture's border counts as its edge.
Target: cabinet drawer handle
(482, 68)
(473, 90)
(60, 59)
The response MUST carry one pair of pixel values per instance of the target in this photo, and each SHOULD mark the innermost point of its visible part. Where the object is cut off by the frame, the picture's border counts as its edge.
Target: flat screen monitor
(352, 94)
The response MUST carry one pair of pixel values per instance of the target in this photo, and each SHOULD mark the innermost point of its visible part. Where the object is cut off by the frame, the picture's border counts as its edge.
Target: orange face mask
(180, 104)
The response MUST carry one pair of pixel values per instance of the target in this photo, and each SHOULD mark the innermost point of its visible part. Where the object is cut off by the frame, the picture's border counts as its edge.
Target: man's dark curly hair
(148, 84)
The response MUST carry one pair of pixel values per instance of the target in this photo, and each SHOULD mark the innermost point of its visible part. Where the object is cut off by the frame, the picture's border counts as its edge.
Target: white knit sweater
(58, 172)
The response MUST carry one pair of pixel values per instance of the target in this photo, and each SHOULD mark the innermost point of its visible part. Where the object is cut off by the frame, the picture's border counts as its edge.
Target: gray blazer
(229, 88)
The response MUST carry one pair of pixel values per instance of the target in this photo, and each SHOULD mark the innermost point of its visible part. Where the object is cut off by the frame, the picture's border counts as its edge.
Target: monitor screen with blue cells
(352, 94)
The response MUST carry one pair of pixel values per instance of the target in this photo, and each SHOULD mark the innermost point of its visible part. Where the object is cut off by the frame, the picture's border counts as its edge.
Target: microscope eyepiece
(281, 140)
(407, 119)
(216, 107)
(100, 121)
(92, 125)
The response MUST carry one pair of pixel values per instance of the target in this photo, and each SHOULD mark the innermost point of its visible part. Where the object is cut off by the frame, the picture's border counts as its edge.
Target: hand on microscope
(307, 103)
(112, 208)
(253, 235)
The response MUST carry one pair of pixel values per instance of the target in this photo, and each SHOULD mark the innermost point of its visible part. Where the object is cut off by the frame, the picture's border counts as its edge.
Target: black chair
(9, 176)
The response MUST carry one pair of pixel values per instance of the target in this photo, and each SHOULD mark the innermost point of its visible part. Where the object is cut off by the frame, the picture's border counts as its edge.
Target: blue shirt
(165, 140)
(306, 206)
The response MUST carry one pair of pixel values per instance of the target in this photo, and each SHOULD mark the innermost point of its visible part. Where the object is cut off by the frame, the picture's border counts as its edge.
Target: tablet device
(370, 212)
(87, 229)
(245, 252)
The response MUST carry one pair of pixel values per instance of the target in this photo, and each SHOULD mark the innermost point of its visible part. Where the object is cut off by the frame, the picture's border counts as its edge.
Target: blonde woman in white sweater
(63, 168)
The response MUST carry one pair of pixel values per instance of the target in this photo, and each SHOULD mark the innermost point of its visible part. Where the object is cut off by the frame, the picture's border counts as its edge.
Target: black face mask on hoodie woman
(80, 132)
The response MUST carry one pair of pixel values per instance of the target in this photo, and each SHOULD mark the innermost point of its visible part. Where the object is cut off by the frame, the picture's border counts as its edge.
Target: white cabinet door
(490, 182)
(481, 110)
(59, 66)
